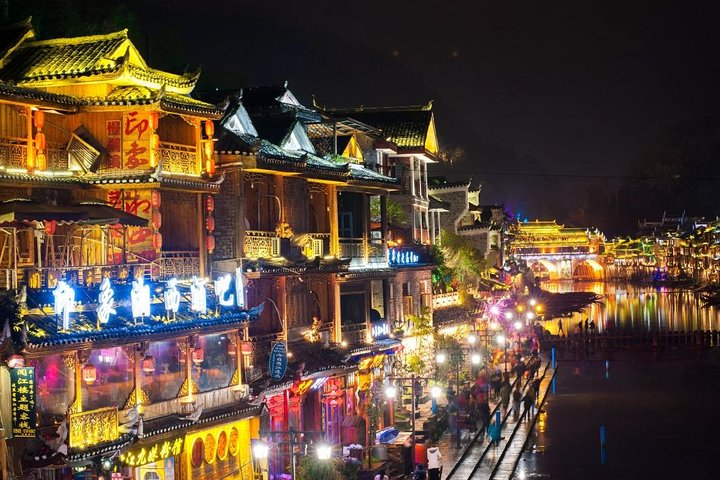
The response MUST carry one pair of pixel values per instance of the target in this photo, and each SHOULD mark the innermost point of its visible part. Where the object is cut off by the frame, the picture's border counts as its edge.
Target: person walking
(381, 476)
(517, 398)
(560, 328)
(505, 391)
(434, 458)
(484, 412)
(529, 403)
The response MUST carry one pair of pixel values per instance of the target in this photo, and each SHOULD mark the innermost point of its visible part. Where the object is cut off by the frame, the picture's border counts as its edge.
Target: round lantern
(182, 358)
(40, 161)
(232, 351)
(40, 143)
(210, 224)
(210, 166)
(155, 198)
(156, 220)
(154, 120)
(89, 373)
(39, 119)
(246, 348)
(210, 204)
(198, 356)
(209, 128)
(50, 227)
(210, 243)
(157, 241)
(148, 364)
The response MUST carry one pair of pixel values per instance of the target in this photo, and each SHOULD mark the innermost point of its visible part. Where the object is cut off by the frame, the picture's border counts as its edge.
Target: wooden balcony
(261, 244)
(177, 158)
(13, 154)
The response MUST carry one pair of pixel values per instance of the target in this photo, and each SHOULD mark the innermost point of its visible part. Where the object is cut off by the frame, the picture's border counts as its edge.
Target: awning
(16, 212)
(103, 214)
(20, 212)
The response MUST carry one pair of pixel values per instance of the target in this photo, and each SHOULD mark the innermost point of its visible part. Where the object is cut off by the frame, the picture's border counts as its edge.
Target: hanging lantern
(89, 373)
(156, 220)
(210, 243)
(39, 119)
(182, 357)
(50, 227)
(209, 204)
(246, 348)
(210, 224)
(154, 120)
(198, 356)
(210, 166)
(209, 128)
(40, 143)
(232, 351)
(155, 198)
(148, 364)
(157, 241)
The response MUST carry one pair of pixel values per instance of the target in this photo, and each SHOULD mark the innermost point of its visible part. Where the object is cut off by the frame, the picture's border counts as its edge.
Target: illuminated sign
(64, 302)
(172, 296)
(105, 301)
(278, 361)
(239, 288)
(155, 452)
(140, 298)
(403, 257)
(319, 383)
(222, 289)
(303, 386)
(93, 427)
(198, 295)
(379, 329)
(22, 401)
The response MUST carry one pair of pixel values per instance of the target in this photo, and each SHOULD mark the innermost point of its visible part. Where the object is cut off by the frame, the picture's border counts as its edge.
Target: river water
(659, 410)
(638, 308)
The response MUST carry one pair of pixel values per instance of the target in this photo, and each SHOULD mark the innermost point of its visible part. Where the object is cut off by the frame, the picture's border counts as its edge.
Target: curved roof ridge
(82, 39)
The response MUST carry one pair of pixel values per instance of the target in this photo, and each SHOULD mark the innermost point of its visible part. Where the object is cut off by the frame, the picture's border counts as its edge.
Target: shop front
(221, 452)
(157, 459)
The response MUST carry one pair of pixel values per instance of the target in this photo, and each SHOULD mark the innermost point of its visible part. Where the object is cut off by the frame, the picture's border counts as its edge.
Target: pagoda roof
(438, 205)
(13, 93)
(109, 58)
(407, 127)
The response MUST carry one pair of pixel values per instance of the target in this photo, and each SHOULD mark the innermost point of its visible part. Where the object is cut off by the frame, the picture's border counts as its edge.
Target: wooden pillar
(384, 223)
(202, 247)
(366, 224)
(281, 299)
(30, 160)
(336, 311)
(239, 210)
(333, 220)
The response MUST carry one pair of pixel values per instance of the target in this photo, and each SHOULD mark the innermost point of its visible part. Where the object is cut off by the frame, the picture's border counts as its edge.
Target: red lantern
(40, 141)
(155, 141)
(154, 120)
(148, 364)
(156, 220)
(50, 227)
(210, 166)
(210, 243)
(232, 351)
(182, 357)
(246, 348)
(210, 204)
(210, 224)
(157, 241)
(155, 198)
(40, 161)
(198, 356)
(89, 373)
(209, 128)
(39, 119)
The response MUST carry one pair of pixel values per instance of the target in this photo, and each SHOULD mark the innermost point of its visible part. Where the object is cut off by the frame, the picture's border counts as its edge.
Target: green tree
(396, 214)
(464, 259)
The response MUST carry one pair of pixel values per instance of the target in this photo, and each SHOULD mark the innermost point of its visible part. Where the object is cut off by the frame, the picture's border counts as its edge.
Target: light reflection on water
(637, 308)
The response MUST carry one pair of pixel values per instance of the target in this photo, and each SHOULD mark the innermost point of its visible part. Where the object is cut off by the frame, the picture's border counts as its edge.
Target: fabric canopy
(20, 212)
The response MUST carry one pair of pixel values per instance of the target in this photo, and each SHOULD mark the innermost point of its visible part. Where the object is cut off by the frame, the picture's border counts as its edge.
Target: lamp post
(502, 340)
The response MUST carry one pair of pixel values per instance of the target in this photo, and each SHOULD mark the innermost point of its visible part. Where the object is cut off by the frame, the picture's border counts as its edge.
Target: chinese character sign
(105, 301)
(172, 297)
(64, 302)
(138, 240)
(136, 140)
(222, 291)
(278, 361)
(22, 401)
(155, 452)
(114, 145)
(198, 295)
(140, 298)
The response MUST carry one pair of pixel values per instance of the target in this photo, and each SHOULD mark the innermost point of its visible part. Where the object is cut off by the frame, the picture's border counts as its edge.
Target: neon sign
(155, 452)
(140, 298)
(403, 257)
(105, 301)
(222, 289)
(172, 296)
(239, 288)
(198, 295)
(64, 302)
(379, 329)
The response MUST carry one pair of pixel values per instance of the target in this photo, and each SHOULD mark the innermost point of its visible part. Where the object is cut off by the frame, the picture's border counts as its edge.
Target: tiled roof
(438, 205)
(406, 127)
(228, 413)
(64, 57)
(168, 101)
(362, 174)
(54, 100)
(12, 35)
(275, 128)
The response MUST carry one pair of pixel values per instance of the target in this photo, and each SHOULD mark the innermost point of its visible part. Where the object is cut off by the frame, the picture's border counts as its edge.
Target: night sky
(542, 95)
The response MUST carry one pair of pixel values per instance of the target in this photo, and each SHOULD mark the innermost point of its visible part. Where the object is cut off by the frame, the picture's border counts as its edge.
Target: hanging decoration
(209, 147)
(210, 222)
(156, 219)
(40, 159)
(198, 295)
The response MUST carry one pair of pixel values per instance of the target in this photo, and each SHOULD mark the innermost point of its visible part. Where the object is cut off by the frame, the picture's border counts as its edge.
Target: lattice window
(178, 158)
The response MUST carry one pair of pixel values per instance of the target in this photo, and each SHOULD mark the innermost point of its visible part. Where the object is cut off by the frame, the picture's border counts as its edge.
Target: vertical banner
(136, 140)
(22, 401)
(114, 145)
(139, 239)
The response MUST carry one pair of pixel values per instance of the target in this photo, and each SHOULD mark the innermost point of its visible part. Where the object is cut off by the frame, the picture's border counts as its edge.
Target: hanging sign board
(278, 361)
(22, 401)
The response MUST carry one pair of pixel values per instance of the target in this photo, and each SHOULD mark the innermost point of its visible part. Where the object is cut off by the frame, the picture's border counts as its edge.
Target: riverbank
(660, 417)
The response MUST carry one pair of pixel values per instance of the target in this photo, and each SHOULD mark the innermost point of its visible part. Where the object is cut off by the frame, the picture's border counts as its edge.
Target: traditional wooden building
(124, 358)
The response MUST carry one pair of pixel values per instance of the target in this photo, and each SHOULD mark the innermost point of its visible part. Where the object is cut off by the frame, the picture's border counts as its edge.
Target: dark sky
(530, 89)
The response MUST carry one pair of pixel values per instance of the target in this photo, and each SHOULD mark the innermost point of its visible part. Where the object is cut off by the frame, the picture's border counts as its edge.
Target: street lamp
(532, 302)
(324, 451)
(508, 315)
(390, 391)
(472, 338)
(518, 325)
(529, 315)
(436, 391)
(476, 359)
(440, 358)
(260, 450)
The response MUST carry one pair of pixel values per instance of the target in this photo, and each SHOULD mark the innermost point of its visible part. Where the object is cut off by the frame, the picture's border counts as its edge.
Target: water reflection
(637, 308)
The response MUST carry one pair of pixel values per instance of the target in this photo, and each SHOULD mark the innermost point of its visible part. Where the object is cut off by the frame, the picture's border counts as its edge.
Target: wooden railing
(261, 244)
(14, 150)
(176, 264)
(442, 300)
